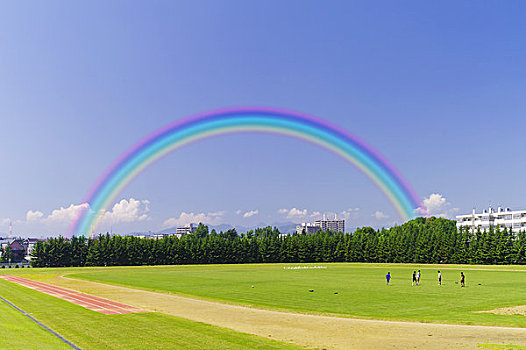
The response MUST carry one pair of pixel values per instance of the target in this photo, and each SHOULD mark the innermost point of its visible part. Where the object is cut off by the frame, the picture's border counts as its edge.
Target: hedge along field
(423, 241)
(361, 289)
(91, 330)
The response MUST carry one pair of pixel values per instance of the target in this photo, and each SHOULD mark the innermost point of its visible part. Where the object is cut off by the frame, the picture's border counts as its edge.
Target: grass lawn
(16, 327)
(91, 330)
(361, 288)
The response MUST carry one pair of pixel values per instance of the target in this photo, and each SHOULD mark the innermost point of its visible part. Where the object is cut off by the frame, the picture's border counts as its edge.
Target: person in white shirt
(439, 278)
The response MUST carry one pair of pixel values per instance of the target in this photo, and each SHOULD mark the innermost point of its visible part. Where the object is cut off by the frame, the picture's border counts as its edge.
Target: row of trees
(431, 240)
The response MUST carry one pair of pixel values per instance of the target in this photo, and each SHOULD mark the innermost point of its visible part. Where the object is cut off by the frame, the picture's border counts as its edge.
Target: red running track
(104, 306)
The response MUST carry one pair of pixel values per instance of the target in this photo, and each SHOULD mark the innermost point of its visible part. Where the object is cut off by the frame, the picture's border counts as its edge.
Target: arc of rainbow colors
(237, 120)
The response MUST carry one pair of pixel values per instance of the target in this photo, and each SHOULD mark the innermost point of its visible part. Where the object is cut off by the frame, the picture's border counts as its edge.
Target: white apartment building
(307, 227)
(185, 230)
(322, 225)
(516, 220)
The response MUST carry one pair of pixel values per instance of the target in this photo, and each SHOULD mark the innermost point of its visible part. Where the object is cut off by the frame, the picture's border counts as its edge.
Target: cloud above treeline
(125, 211)
(211, 218)
(131, 211)
(379, 215)
(57, 216)
(250, 213)
(305, 214)
(437, 205)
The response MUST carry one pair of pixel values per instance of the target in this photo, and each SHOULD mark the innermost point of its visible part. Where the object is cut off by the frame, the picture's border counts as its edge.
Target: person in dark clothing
(462, 280)
(414, 278)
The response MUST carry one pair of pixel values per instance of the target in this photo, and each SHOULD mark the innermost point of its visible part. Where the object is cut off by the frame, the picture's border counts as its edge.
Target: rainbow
(241, 120)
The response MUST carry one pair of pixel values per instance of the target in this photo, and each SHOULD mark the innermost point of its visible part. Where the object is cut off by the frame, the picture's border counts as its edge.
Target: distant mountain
(140, 233)
(168, 230)
(285, 227)
(222, 228)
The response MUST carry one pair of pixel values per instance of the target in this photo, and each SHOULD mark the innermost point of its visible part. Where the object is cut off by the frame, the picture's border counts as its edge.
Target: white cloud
(294, 213)
(297, 213)
(437, 205)
(58, 220)
(346, 214)
(34, 215)
(251, 213)
(238, 212)
(217, 213)
(57, 216)
(212, 218)
(5, 221)
(66, 215)
(171, 222)
(131, 210)
(304, 214)
(380, 215)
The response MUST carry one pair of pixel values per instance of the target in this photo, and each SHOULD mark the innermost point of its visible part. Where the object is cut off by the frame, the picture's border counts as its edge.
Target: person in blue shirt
(388, 277)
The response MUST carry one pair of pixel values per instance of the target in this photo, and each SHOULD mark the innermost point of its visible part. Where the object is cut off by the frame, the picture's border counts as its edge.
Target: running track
(104, 306)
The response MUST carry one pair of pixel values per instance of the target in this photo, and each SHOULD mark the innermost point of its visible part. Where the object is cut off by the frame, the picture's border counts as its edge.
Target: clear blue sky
(437, 88)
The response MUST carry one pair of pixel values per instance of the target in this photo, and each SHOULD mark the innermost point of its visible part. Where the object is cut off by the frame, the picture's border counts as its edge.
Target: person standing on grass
(414, 278)
(439, 278)
(462, 280)
(388, 277)
(418, 278)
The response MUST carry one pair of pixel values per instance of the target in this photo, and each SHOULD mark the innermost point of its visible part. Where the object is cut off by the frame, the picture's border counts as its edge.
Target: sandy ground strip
(101, 305)
(312, 331)
(512, 310)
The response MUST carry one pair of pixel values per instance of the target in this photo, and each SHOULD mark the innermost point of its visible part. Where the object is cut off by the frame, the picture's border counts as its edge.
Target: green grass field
(361, 289)
(91, 330)
(15, 328)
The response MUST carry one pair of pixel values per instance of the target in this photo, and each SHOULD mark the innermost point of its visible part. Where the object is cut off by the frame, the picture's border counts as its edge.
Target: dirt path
(513, 310)
(312, 331)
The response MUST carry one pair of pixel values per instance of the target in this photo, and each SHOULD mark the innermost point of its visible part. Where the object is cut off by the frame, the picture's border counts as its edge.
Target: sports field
(344, 290)
(361, 289)
(89, 329)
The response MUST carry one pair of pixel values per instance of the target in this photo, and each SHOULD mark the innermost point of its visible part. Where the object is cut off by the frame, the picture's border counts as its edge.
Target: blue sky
(437, 88)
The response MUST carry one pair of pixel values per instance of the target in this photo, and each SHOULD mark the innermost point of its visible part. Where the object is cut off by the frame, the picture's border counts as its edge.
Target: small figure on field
(414, 278)
(418, 278)
(388, 277)
(462, 279)
(439, 278)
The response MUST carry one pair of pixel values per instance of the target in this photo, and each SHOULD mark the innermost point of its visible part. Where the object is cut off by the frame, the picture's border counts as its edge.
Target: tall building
(322, 225)
(516, 220)
(307, 227)
(186, 229)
